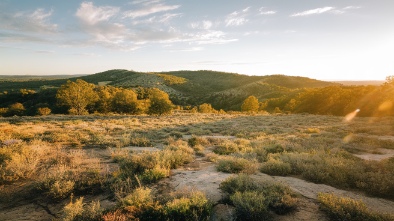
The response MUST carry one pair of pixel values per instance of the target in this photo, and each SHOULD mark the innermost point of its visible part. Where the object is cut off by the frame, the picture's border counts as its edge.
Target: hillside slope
(221, 89)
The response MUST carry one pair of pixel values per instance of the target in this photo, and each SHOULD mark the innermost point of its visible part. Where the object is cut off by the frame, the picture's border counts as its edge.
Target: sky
(320, 39)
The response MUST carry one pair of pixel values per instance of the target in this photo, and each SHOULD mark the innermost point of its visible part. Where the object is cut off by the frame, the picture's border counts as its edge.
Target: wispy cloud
(92, 15)
(313, 11)
(149, 8)
(264, 11)
(205, 24)
(351, 7)
(33, 22)
(346, 9)
(107, 27)
(210, 37)
(237, 18)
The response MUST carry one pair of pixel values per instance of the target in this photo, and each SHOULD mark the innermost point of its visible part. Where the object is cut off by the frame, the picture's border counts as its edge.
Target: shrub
(43, 111)
(240, 183)
(60, 189)
(225, 149)
(73, 209)
(194, 207)
(276, 167)
(140, 141)
(138, 198)
(250, 205)
(235, 165)
(343, 208)
(18, 161)
(275, 148)
(194, 141)
(116, 215)
(277, 197)
(154, 175)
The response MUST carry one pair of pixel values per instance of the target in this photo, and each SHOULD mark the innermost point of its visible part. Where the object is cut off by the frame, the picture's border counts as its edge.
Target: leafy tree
(77, 95)
(250, 104)
(106, 95)
(206, 108)
(15, 109)
(42, 111)
(160, 102)
(125, 101)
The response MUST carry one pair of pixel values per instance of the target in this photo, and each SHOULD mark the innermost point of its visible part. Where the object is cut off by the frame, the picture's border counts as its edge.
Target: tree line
(80, 97)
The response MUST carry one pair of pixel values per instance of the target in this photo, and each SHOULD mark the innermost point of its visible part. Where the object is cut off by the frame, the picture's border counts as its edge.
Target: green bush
(276, 167)
(250, 205)
(275, 148)
(153, 175)
(195, 141)
(275, 196)
(235, 165)
(73, 209)
(240, 183)
(347, 209)
(194, 207)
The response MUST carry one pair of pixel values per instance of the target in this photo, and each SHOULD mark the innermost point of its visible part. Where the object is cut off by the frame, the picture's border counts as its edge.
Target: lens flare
(385, 106)
(350, 116)
(348, 138)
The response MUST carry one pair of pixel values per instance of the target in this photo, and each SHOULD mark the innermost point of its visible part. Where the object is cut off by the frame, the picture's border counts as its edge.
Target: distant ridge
(37, 77)
(359, 83)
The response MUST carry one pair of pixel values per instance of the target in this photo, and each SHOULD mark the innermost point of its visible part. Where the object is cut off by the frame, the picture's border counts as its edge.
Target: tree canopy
(77, 96)
(250, 104)
(160, 102)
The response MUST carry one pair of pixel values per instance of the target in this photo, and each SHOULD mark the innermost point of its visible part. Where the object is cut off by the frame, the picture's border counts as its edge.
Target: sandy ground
(383, 154)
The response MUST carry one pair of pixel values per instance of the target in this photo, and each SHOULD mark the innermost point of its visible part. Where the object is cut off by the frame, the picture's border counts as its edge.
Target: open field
(185, 166)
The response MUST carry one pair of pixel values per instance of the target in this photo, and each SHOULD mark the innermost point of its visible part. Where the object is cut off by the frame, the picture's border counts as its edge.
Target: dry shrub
(254, 199)
(18, 161)
(193, 207)
(230, 164)
(343, 208)
(276, 167)
(73, 209)
(116, 215)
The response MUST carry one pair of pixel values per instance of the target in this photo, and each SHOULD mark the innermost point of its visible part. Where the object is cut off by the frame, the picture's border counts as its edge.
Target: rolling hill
(184, 87)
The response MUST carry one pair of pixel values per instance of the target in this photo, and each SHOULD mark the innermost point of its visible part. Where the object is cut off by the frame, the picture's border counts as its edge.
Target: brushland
(113, 167)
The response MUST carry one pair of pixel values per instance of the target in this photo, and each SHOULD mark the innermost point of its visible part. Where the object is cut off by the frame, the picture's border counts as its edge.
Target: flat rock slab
(206, 180)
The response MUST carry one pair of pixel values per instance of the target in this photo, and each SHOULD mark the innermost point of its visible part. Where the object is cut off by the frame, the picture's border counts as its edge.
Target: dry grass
(82, 155)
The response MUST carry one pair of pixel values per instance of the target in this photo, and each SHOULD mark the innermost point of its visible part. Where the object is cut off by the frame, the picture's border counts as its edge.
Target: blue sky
(328, 40)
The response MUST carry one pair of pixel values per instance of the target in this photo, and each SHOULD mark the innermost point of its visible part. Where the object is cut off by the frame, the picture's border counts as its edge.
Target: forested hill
(206, 81)
(227, 91)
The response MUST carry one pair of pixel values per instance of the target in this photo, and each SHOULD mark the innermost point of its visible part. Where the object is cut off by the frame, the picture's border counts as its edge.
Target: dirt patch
(383, 154)
(201, 176)
(310, 191)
